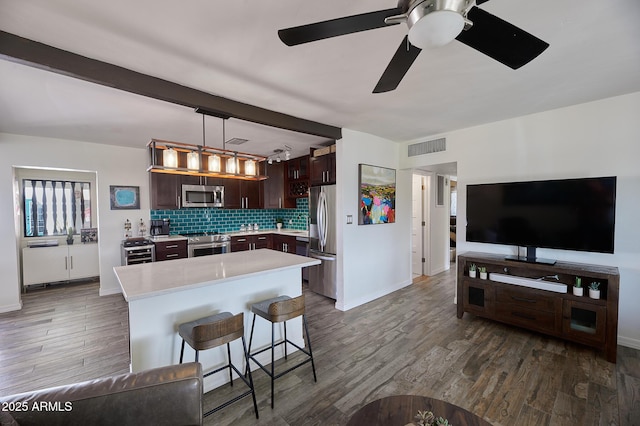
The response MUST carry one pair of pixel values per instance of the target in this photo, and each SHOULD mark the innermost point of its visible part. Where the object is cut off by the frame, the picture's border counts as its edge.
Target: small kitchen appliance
(159, 227)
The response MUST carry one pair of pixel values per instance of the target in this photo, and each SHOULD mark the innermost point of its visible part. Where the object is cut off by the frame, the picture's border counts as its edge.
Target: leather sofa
(169, 395)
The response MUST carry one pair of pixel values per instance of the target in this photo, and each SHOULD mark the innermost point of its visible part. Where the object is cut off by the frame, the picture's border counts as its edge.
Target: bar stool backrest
(286, 309)
(210, 335)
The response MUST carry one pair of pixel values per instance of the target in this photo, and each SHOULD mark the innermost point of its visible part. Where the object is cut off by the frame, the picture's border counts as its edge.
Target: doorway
(433, 229)
(57, 208)
(418, 226)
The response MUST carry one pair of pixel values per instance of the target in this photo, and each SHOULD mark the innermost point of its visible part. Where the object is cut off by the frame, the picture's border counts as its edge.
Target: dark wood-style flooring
(409, 342)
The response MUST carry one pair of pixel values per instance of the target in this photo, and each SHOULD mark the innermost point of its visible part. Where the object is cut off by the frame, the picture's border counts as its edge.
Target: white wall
(113, 166)
(373, 260)
(593, 139)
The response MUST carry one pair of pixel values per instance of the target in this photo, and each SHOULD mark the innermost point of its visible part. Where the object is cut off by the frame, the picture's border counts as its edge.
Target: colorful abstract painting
(377, 195)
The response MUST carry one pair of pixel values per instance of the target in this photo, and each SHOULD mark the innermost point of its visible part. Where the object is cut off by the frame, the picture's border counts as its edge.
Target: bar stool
(281, 309)
(216, 330)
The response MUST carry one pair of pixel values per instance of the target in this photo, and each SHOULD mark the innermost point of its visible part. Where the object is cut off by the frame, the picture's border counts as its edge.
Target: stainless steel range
(137, 250)
(207, 243)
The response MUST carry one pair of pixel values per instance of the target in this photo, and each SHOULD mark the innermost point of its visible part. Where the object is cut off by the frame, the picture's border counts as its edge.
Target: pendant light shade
(170, 158)
(250, 168)
(214, 163)
(232, 165)
(193, 161)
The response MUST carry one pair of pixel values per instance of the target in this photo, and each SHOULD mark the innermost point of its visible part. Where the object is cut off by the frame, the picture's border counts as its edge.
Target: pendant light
(232, 165)
(170, 158)
(203, 160)
(214, 161)
(250, 167)
(193, 161)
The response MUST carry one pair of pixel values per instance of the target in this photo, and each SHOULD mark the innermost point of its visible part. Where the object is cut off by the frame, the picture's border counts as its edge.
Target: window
(454, 203)
(53, 206)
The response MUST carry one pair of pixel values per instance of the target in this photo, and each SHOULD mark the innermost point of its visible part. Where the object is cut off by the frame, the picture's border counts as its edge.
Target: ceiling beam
(28, 52)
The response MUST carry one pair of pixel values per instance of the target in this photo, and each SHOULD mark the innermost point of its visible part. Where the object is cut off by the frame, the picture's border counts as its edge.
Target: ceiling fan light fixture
(436, 28)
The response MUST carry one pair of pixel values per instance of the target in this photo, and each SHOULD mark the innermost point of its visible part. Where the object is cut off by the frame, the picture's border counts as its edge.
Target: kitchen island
(163, 295)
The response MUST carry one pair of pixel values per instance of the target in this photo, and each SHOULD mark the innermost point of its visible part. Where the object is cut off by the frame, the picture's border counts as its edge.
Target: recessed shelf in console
(529, 282)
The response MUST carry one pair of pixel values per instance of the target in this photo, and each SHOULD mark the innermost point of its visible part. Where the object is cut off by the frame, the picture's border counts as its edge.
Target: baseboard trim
(109, 291)
(368, 298)
(628, 342)
(11, 308)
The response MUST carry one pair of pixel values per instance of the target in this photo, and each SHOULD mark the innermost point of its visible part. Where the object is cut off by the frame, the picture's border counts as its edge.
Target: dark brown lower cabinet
(169, 250)
(250, 242)
(284, 243)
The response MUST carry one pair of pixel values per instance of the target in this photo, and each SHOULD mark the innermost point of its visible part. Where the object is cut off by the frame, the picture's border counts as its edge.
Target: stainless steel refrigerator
(322, 239)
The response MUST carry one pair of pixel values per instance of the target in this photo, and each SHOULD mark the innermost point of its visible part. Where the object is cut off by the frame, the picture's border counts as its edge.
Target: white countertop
(161, 238)
(283, 231)
(152, 279)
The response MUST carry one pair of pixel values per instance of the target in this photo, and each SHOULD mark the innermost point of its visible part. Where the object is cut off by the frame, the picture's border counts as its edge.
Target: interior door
(417, 226)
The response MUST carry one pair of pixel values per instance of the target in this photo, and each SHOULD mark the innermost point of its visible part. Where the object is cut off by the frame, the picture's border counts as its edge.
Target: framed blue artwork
(124, 197)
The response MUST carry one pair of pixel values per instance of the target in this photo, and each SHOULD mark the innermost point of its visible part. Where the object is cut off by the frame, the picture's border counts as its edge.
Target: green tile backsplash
(226, 220)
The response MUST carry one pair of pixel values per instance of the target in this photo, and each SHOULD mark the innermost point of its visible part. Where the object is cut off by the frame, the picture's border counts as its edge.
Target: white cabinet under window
(60, 263)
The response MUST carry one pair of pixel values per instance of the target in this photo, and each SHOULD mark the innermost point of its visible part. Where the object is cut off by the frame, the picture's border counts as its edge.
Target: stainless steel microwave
(202, 196)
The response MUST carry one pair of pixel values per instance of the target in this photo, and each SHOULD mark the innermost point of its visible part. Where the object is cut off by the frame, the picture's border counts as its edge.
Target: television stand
(531, 257)
(528, 259)
(512, 298)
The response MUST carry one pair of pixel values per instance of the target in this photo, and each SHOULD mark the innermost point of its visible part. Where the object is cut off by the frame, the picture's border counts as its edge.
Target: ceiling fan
(431, 23)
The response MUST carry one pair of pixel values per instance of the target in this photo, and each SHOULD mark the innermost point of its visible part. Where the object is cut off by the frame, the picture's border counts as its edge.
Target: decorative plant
(578, 283)
(594, 286)
(472, 267)
(279, 220)
(69, 235)
(427, 418)
(482, 269)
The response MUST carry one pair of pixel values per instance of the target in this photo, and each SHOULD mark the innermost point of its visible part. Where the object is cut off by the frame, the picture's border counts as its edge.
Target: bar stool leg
(248, 369)
(285, 340)
(230, 370)
(273, 329)
(306, 330)
(182, 351)
(197, 356)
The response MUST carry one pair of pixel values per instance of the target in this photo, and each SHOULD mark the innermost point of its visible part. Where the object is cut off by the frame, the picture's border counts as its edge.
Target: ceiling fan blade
(398, 67)
(501, 40)
(336, 27)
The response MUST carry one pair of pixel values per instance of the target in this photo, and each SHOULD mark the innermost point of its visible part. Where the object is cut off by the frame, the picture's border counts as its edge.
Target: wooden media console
(580, 319)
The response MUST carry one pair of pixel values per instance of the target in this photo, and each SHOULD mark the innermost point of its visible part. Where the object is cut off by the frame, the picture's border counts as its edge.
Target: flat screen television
(569, 214)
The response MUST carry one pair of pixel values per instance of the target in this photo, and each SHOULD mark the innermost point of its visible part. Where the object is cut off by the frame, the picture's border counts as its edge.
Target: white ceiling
(231, 49)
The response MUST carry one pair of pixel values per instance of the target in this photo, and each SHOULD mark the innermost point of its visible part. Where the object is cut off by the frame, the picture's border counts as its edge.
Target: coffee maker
(159, 227)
